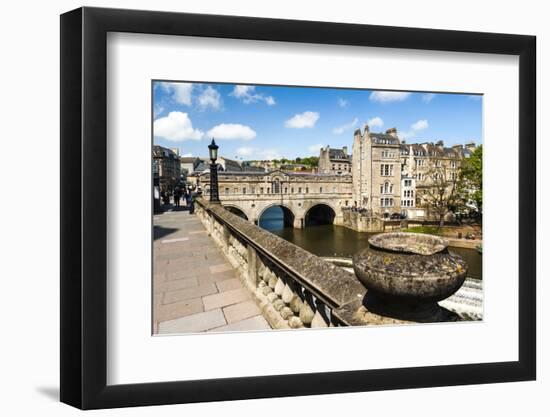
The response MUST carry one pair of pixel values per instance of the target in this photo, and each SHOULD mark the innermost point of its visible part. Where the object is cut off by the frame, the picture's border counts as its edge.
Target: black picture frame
(84, 207)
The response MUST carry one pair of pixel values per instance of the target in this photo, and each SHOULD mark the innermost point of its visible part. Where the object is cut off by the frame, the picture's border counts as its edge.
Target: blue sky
(266, 122)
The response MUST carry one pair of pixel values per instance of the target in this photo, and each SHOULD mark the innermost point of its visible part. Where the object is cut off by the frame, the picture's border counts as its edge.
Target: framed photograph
(257, 208)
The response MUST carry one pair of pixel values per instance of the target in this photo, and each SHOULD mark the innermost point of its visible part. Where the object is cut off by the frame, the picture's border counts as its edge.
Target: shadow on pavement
(160, 232)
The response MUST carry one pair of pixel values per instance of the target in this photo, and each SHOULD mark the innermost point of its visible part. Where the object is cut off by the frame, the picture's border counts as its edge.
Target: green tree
(442, 194)
(472, 178)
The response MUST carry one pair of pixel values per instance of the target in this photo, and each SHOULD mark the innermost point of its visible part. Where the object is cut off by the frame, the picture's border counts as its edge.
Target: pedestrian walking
(192, 202)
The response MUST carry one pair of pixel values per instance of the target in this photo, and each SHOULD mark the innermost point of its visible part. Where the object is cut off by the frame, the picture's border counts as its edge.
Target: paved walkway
(195, 288)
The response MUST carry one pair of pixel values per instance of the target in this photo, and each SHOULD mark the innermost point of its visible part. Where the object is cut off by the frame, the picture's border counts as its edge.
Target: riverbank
(456, 235)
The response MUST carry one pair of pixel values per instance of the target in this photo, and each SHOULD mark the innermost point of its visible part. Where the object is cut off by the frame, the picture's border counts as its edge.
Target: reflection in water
(339, 241)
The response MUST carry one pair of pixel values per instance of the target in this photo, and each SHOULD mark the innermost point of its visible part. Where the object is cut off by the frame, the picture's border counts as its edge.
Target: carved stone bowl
(409, 269)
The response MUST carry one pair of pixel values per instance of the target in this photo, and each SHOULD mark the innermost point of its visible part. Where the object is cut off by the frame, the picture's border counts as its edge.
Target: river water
(339, 241)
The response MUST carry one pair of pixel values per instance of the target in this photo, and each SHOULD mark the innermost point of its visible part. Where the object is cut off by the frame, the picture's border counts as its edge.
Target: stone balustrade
(294, 288)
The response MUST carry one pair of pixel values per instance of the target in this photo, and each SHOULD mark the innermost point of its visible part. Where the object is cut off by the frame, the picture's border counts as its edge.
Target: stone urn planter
(406, 274)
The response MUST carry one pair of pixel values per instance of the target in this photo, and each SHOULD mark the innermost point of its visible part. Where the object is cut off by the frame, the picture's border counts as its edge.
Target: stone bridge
(304, 198)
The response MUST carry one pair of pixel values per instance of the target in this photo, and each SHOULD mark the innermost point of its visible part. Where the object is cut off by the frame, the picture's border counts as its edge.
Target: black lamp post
(213, 150)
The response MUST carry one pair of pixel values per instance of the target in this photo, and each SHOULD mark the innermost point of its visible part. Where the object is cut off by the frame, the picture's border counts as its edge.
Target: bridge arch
(287, 213)
(318, 214)
(236, 210)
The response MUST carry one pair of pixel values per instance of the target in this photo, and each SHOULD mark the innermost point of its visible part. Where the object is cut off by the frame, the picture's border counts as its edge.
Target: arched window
(386, 188)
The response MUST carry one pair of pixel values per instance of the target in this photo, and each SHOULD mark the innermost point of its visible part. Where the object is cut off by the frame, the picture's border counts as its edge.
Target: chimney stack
(471, 146)
(392, 132)
(345, 150)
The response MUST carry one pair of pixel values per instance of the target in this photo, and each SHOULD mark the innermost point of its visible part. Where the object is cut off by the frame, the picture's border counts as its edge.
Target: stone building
(391, 177)
(188, 165)
(427, 163)
(168, 163)
(334, 161)
(376, 171)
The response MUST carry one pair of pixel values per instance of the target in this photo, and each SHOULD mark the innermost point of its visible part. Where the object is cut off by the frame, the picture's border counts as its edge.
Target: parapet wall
(294, 288)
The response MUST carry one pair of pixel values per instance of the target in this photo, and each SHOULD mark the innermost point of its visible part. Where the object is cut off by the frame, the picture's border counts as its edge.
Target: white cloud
(342, 102)
(209, 97)
(420, 125)
(305, 119)
(270, 154)
(315, 148)
(249, 152)
(241, 91)
(414, 128)
(341, 129)
(426, 98)
(388, 96)
(176, 127)
(232, 131)
(248, 94)
(375, 122)
(180, 92)
(245, 151)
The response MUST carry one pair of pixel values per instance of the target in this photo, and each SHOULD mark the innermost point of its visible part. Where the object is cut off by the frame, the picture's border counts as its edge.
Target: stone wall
(293, 288)
(361, 222)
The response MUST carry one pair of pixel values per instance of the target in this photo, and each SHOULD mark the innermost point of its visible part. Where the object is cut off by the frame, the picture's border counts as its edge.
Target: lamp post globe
(213, 150)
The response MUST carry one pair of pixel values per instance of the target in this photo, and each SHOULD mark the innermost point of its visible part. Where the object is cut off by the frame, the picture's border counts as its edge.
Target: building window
(307, 190)
(292, 190)
(286, 190)
(244, 190)
(453, 164)
(386, 188)
(408, 183)
(236, 190)
(261, 190)
(420, 162)
(320, 189)
(226, 190)
(299, 190)
(386, 170)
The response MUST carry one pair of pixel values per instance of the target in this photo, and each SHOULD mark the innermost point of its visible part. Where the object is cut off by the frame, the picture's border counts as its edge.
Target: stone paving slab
(195, 289)
(189, 293)
(225, 298)
(178, 309)
(228, 284)
(176, 284)
(195, 323)
(241, 311)
(253, 323)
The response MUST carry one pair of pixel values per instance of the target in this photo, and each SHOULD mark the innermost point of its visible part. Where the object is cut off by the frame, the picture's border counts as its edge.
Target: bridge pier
(298, 223)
